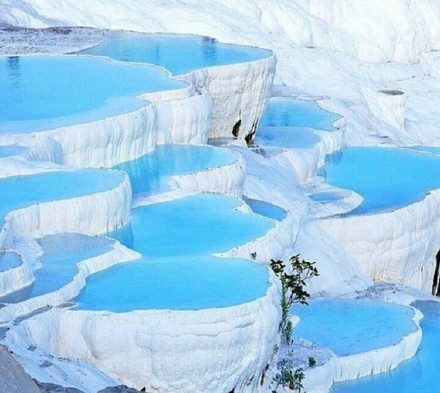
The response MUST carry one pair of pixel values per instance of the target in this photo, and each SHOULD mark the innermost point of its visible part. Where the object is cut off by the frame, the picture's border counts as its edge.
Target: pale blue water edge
(61, 254)
(266, 209)
(43, 92)
(416, 375)
(286, 137)
(387, 178)
(11, 150)
(9, 260)
(352, 326)
(178, 53)
(150, 174)
(288, 112)
(177, 270)
(426, 149)
(23, 191)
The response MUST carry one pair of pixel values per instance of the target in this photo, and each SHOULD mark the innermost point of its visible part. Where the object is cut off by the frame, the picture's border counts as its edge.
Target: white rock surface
(70, 215)
(165, 350)
(225, 179)
(399, 245)
(239, 93)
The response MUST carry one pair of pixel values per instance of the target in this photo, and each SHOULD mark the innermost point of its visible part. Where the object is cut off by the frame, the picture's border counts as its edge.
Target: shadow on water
(13, 65)
(331, 160)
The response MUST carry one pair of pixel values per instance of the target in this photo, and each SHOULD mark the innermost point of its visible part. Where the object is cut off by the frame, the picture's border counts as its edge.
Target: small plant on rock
(291, 380)
(293, 279)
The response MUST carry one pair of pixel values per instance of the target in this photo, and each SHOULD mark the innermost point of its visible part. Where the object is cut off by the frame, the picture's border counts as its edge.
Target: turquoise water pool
(43, 92)
(150, 174)
(176, 283)
(387, 178)
(266, 209)
(23, 191)
(287, 112)
(287, 137)
(416, 375)
(9, 260)
(177, 270)
(352, 326)
(196, 225)
(178, 53)
(61, 253)
(11, 150)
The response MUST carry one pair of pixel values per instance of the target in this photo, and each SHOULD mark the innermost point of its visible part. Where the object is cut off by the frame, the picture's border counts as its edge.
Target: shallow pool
(266, 209)
(43, 92)
(197, 225)
(61, 253)
(151, 173)
(22, 191)
(352, 326)
(387, 178)
(12, 150)
(177, 270)
(178, 53)
(288, 137)
(288, 112)
(9, 260)
(175, 283)
(416, 375)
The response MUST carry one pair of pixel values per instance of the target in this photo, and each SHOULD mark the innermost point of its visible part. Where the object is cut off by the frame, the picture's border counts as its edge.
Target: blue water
(11, 150)
(178, 284)
(150, 174)
(9, 260)
(266, 209)
(196, 225)
(286, 112)
(178, 53)
(287, 137)
(427, 149)
(23, 191)
(352, 326)
(417, 375)
(325, 197)
(387, 178)
(62, 252)
(42, 92)
(177, 270)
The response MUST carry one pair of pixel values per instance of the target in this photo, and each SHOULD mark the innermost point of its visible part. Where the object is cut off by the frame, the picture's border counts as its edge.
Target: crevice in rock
(436, 279)
(236, 129)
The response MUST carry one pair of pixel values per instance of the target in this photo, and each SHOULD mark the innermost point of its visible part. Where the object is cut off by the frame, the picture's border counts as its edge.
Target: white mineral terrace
(150, 171)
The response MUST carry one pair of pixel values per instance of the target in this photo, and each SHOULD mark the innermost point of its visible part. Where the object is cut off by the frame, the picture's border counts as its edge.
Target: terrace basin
(416, 375)
(61, 253)
(12, 150)
(22, 191)
(350, 327)
(9, 260)
(288, 112)
(197, 225)
(150, 174)
(177, 270)
(44, 92)
(287, 137)
(175, 284)
(387, 178)
(178, 53)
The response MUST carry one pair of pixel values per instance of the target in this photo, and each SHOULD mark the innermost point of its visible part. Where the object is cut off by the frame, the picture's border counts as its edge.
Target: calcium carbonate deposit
(157, 157)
